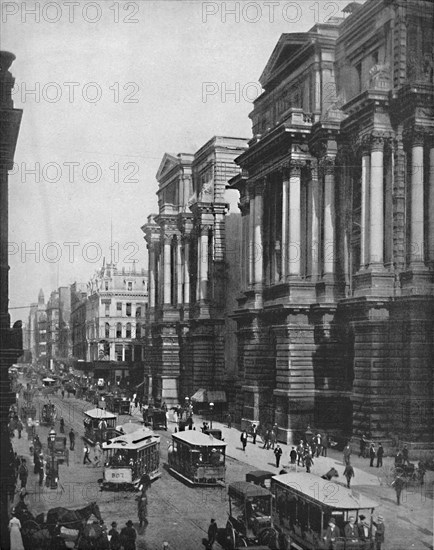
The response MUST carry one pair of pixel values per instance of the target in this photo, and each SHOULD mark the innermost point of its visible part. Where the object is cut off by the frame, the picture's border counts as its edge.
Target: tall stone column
(417, 202)
(179, 272)
(294, 228)
(431, 204)
(257, 235)
(204, 268)
(167, 270)
(151, 276)
(199, 263)
(314, 222)
(364, 215)
(186, 267)
(285, 219)
(329, 249)
(251, 245)
(376, 201)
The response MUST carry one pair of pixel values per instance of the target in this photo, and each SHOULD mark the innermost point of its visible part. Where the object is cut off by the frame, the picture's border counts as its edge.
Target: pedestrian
(62, 426)
(114, 537)
(212, 534)
(243, 439)
(348, 474)
(272, 440)
(308, 462)
(266, 440)
(363, 446)
(351, 532)
(63, 393)
(325, 444)
(16, 540)
(23, 473)
(398, 484)
(380, 454)
(71, 439)
(364, 530)
(347, 454)
(254, 433)
(278, 453)
(372, 454)
(229, 420)
(41, 471)
(405, 457)
(379, 532)
(300, 453)
(19, 428)
(128, 536)
(86, 457)
(142, 510)
(293, 455)
(98, 454)
(399, 459)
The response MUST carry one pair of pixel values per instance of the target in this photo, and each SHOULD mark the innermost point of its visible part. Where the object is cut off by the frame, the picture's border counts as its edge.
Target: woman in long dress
(15, 533)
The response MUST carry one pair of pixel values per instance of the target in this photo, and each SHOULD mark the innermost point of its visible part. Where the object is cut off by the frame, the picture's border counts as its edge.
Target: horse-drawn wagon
(48, 414)
(63, 528)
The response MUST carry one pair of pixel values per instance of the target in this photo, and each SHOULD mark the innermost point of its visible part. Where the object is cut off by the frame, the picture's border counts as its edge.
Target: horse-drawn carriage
(48, 414)
(62, 528)
(28, 410)
(410, 473)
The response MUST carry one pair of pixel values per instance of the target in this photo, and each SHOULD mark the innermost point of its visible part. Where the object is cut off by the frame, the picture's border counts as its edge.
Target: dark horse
(72, 519)
(331, 473)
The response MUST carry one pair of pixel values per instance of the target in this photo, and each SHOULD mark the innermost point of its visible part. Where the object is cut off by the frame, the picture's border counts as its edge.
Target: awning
(199, 396)
(209, 396)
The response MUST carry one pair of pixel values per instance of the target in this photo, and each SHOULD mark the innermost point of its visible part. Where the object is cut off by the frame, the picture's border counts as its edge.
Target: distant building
(117, 300)
(193, 262)
(37, 328)
(335, 321)
(78, 320)
(59, 338)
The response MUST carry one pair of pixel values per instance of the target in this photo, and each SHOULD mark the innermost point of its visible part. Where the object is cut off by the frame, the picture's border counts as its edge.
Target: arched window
(119, 330)
(128, 334)
(107, 330)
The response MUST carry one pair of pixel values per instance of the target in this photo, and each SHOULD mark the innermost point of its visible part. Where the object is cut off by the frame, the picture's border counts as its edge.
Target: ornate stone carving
(327, 165)
(379, 76)
(295, 166)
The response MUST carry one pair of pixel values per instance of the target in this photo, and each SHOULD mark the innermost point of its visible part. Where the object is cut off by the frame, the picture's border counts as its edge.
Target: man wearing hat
(331, 534)
(115, 538)
(351, 532)
(364, 529)
(379, 532)
(129, 536)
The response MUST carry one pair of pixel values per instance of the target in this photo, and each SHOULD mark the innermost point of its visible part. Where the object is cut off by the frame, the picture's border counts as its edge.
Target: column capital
(295, 166)
(327, 165)
(259, 187)
(205, 229)
(416, 136)
(244, 205)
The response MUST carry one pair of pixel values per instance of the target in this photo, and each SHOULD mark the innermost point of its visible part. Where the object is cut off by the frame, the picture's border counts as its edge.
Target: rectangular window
(128, 311)
(130, 285)
(107, 310)
(118, 352)
(119, 307)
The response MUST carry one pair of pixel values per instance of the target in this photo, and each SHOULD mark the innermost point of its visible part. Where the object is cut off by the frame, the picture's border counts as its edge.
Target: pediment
(287, 47)
(167, 164)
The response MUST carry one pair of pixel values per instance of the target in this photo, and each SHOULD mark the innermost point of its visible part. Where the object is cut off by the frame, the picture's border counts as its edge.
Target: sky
(106, 88)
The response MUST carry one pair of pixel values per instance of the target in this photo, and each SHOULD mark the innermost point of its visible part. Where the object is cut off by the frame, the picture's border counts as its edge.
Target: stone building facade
(193, 267)
(117, 300)
(335, 321)
(38, 330)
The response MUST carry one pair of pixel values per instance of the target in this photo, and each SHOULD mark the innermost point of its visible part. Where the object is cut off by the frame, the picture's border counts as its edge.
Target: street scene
(216, 275)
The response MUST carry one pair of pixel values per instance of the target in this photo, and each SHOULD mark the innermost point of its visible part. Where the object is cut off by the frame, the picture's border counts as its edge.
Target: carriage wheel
(230, 536)
(268, 536)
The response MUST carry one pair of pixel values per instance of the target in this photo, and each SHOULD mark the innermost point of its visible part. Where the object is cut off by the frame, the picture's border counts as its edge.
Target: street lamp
(53, 473)
(211, 410)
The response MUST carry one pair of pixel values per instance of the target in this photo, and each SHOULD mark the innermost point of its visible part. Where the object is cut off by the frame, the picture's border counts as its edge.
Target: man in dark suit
(331, 534)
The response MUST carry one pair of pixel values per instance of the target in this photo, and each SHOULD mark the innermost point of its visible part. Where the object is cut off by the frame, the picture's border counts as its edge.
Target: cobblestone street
(180, 514)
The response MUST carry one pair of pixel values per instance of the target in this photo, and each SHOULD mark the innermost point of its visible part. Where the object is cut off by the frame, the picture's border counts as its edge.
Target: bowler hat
(114, 524)
(129, 522)
(332, 520)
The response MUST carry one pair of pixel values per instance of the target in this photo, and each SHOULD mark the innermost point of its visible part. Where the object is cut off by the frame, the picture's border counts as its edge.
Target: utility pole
(11, 339)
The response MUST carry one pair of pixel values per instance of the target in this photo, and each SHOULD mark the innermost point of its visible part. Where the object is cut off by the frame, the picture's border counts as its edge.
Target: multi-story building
(335, 321)
(38, 330)
(193, 262)
(59, 338)
(117, 300)
(78, 320)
